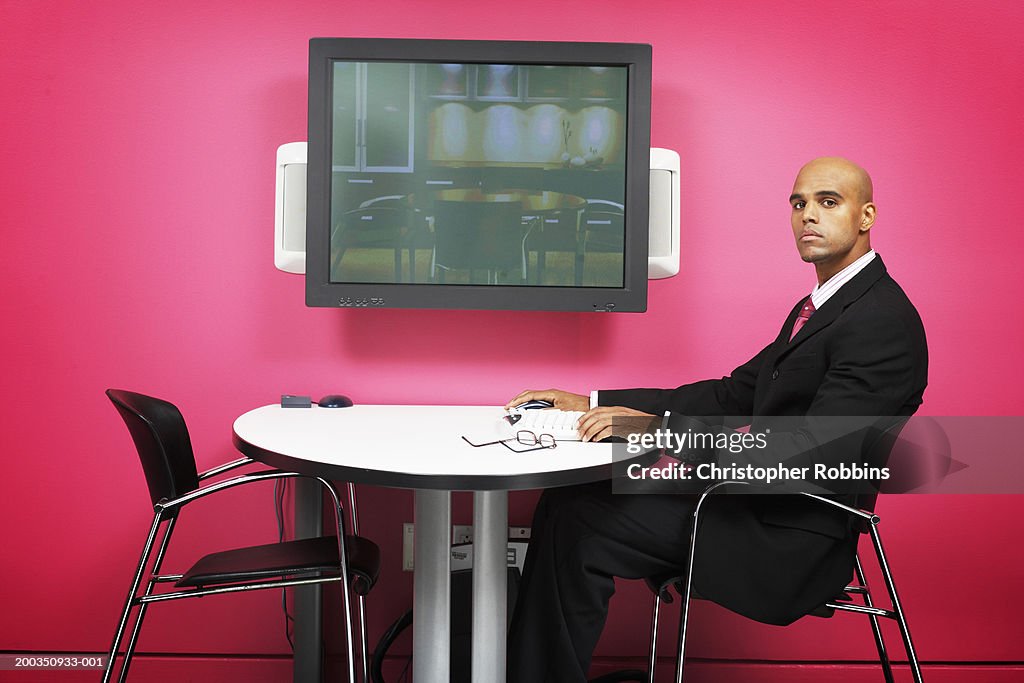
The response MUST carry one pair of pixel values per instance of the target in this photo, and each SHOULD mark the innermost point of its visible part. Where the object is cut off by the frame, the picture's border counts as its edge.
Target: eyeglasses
(535, 442)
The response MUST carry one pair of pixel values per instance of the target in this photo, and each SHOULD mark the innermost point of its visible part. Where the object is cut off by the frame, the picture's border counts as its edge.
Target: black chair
(478, 235)
(911, 450)
(371, 227)
(557, 231)
(414, 235)
(602, 230)
(165, 451)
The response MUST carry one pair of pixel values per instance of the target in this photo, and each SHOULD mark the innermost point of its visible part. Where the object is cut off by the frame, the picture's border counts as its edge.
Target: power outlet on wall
(407, 546)
(461, 533)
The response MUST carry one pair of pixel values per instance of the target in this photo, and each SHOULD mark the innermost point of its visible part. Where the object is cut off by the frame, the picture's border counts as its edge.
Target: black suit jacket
(776, 557)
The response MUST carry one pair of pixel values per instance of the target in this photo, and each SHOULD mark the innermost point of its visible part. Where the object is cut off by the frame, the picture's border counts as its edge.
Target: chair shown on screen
(369, 227)
(556, 231)
(414, 235)
(479, 235)
(602, 230)
(912, 457)
(165, 451)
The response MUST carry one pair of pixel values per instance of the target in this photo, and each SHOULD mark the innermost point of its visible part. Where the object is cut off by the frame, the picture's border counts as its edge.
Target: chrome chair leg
(129, 649)
(364, 645)
(652, 658)
(883, 655)
(143, 562)
(901, 619)
(345, 589)
(684, 608)
(353, 513)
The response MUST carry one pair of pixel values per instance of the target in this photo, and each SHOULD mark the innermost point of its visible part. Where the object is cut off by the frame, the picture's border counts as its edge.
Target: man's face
(828, 214)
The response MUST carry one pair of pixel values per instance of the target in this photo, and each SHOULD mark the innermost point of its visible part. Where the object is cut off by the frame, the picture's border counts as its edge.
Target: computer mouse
(535, 404)
(335, 401)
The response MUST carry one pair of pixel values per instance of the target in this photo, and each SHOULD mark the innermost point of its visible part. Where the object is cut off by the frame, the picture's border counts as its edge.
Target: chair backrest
(920, 455)
(478, 235)
(603, 228)
(916, 452)
(162, 440)
(396, 201)
(556, 231)
(372, 225)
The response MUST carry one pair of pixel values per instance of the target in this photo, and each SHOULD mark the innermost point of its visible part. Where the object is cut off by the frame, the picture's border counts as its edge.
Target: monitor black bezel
(322, 292)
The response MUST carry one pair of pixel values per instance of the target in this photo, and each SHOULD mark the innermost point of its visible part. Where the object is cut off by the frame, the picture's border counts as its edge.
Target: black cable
(403, 622)
(404, 675)
(280, 488)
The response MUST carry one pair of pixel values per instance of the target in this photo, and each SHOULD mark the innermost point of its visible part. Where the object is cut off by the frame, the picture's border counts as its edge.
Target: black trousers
(583, 537)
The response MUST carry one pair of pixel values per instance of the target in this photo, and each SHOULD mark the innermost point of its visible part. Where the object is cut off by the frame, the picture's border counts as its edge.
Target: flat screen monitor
(478, 174)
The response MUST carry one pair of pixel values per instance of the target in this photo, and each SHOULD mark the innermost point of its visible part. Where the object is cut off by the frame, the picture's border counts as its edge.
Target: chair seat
(661, 585)
(291, 558)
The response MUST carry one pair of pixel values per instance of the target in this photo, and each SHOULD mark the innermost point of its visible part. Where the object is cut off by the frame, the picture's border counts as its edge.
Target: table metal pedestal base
(432, 586)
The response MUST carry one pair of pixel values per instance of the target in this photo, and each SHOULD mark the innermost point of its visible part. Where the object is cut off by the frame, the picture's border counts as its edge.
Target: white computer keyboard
(560, 424)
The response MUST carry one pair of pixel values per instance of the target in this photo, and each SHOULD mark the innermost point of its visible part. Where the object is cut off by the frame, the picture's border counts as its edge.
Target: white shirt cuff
(593, 399)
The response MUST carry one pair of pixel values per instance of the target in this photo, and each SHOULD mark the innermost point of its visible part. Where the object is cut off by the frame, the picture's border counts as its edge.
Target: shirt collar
(825, 291)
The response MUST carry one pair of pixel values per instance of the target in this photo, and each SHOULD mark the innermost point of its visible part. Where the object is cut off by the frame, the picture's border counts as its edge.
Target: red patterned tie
(801, 319)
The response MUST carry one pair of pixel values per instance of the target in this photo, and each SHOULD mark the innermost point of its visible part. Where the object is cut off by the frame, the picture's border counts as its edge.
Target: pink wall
(137, 185)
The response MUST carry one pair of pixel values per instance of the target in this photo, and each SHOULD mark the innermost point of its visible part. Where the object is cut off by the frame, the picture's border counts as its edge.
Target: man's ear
(867, 219)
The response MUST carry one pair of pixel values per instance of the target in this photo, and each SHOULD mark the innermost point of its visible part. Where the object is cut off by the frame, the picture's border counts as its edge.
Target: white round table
(421, 448)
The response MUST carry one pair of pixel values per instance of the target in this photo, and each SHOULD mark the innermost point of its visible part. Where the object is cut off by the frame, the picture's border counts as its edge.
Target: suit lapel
(826, 315)
(787, 326)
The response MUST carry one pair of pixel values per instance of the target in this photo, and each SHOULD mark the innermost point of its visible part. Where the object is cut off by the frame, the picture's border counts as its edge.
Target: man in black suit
(855, 347)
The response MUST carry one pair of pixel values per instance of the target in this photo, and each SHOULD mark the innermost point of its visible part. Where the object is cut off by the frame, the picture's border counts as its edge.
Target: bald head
(853, 176)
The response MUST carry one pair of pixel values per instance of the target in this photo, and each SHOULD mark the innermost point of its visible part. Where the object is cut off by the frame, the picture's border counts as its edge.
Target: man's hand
(563, 400)
(604, 421)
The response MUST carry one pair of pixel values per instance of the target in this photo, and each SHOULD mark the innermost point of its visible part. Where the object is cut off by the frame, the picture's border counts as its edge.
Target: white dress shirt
(824, 292)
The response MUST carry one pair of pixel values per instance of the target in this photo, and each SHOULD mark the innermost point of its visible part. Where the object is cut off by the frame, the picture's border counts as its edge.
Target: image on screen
(490, 174)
